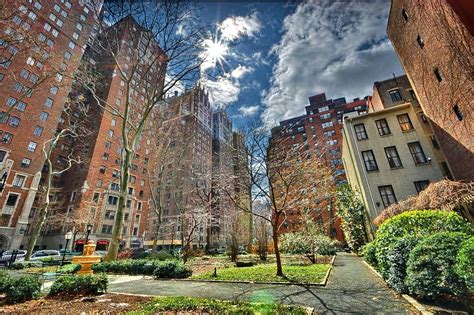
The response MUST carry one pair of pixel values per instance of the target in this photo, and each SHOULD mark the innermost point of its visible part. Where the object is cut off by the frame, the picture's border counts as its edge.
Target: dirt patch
(100, 304)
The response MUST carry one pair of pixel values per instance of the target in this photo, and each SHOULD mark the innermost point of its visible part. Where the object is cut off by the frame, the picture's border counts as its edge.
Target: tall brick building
(89, 192)
(319, 132)
(182, 173)
(433, 40)
(34, 84)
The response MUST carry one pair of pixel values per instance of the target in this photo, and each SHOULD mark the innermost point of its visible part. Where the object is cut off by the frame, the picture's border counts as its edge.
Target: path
(352, 288)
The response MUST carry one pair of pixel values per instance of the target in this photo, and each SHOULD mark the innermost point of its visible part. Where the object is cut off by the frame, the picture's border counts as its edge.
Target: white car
(5, 258)
(46, 253)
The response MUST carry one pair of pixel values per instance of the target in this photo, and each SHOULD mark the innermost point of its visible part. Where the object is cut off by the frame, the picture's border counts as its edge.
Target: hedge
(465, 262)
(397, 258)
(430, 267)
(22, 289)
(171, 269)
(166, 269)
(79, 284)
(419, 224)
(4, 281)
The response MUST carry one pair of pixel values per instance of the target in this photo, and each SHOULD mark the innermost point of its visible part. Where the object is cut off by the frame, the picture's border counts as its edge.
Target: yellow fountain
(87, 259)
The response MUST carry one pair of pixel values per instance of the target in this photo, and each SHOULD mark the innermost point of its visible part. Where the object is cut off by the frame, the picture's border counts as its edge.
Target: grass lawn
(202, 305)
(266, 273)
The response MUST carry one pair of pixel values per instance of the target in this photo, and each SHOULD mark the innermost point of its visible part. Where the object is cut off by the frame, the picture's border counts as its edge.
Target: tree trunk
(118, 224)
(277, 250)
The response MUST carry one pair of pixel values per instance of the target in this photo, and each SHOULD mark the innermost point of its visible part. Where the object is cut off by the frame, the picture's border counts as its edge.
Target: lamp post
(68, 237)
(89, 229)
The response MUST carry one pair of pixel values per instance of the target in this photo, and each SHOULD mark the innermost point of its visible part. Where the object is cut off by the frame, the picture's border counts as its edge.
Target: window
(3, 154)
(393, 157)
(33, 78)
(105, 156)
(382, 127)
(112, 200)
(11, 101)
(59, 77)
(114, 186)
(25, 163)
(417, 152)
(108, 144)
(57, 8)
(32, 15)
(32, 146)
(325, 116)
(405, 122)
(395, 95)
(327, 125)
(369, 160)
(412, 94)
(421, 185)
(75, 35)
(420, 41)
(72, 45)
(24, 74)
(110, 133)
(11, 200)
(106, 229)
(67, 55)
(95, 197)
(438, 75)
(387, 194)
(14, 121)
(55, 32)
(360, 132)
(54, 90)
(405, 15)
(38, 5)
(48, 102)
(44, 116)
(18, 87)
(79, 26)
(323, 109)
(38, 131)
(52, 17)
(19, 180)
(7, 137)
(1, 77)
(59, 23)
(457, 111)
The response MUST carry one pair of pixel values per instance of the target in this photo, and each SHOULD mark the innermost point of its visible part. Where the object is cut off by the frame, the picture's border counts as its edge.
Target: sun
(215, 52)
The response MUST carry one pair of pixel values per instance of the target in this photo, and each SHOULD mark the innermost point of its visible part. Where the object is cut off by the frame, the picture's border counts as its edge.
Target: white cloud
(223, 90)
(234, 27)
(240, 71)
(248, 111)
(336, 47)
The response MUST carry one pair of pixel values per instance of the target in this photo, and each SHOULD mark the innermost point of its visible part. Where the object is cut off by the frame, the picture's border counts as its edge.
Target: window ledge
(408, 131)
(423, 164)
(397, 168)
(387, 135)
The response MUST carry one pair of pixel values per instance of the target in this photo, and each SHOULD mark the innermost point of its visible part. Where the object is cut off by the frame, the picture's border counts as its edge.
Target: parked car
(6, 256)
(46, 253)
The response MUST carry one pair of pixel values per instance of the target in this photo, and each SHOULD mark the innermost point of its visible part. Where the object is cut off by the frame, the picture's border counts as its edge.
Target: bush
(70, 268)
(368, 252)
(419, 224)
(83, 284)
(171, 269)
(163, 255)
(4, 281)
(24, 264)
(430, 268)
(465, 262)
(23, 288)
(328, 247)
(128, 266)
(397, 258)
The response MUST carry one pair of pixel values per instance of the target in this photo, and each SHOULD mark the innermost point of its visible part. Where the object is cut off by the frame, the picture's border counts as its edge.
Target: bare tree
(147, 41)
(72, 130)
(284, 175)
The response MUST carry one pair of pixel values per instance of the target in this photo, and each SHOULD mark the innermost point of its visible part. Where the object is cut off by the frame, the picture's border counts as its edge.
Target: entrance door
(3, 242)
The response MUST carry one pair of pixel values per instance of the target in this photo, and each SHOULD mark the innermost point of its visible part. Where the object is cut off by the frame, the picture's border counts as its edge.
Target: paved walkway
(352, 288)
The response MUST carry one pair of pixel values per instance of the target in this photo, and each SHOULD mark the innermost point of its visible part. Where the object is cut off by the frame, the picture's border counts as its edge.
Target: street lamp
(68, 237)
(89, 229)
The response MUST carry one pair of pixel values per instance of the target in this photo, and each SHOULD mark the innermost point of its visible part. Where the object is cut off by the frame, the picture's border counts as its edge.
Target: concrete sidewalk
(352, 288)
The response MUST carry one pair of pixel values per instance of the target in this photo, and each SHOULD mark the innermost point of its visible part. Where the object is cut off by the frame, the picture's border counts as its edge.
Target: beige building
(391, 153)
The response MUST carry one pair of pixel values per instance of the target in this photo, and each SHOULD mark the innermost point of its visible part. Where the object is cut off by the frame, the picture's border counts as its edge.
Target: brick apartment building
(42, 43)
(433, 40)
(89, 192)
(182, 175)
(320, 128)
(391, 152)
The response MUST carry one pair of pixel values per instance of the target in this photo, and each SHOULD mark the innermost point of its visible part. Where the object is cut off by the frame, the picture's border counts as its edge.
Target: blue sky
(278, 54)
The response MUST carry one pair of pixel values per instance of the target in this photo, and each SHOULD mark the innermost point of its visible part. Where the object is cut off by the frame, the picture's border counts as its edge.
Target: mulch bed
(101, 304)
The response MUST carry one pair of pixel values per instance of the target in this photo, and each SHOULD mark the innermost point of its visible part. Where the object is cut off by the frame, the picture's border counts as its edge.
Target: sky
(271, 56)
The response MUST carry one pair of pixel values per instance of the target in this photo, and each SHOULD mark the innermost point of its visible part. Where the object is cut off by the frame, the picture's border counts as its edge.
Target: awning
(103, 242)
(80, 242)
(163, 242)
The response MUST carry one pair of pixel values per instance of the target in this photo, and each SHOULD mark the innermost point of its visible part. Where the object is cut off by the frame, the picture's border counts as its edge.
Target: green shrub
(4, 281)
(328, 247)
(430, 268)
(79, 284)
(465, 262)
(23, 289)
(171, 269)
(23, 265)
(127, 266)
(368, 252)
(397, 258)
(70, 268)
(419, 224)
(163, 255)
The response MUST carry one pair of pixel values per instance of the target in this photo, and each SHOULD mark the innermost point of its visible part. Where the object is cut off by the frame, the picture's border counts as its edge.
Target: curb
(326, 277)
(320, 284)
(419, 307)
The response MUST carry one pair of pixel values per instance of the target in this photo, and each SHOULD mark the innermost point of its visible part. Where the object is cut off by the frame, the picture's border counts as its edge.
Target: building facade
(35, 81)
(319, 132)
(433, 40)
(391, 152)
(182, 173)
